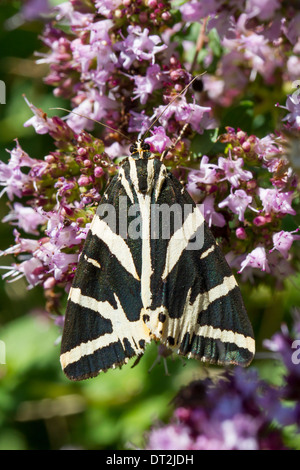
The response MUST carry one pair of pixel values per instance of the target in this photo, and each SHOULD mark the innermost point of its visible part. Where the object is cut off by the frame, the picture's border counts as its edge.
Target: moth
(170, 284)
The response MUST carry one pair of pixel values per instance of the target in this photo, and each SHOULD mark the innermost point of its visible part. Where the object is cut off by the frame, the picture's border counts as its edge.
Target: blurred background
(39, 407)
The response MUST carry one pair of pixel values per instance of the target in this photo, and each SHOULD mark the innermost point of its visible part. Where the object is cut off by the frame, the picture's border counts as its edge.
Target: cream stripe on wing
(145, 211)
(181, 238)
(188, 319)
(206, 298)
(126, 184)
(207, 252)
(121, 328)
(160, 181)
(178, 327)
(227, 336)
(92, 261)
(115, 243)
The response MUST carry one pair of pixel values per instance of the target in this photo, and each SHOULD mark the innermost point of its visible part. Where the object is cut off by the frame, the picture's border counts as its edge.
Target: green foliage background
(39, 407)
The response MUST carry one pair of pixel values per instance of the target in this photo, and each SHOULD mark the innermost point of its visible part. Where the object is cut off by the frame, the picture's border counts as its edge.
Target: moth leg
(163, 352)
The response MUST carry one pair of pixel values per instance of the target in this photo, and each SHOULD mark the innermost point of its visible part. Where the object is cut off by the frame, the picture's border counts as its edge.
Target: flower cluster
(239, 410)
(112, 67)
(254, 39)
(121, 62)
(59, 194)
(260, 40)
(252, 203)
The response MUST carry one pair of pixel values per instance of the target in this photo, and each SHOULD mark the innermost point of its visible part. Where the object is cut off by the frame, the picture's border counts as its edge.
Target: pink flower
(165, 438)
(33, 270)
(98, 49)
(94, 106)
(293, 67)
(22, 245)
(198, 117)
(184, 112)
(19, 158)
(30, 10)
(233, 170)
(283, 242)
(256, 259)
(106, 7)
(25, 218)
(33, 9)
(53, 260)
(291, 29)
(98, 172)
(61, 235)
(267, 146)
(75, 18)
(116, 150)
(237, 202)
(11, 176)
(211, 216)
(262, 220)
(293, 106)
(206, 175)
(145, 86)
(195, 11)
(139, 45)
(264, 9)
(41, 123)
(159, 140)
(138, 122)
(276, 201)
(61, 262)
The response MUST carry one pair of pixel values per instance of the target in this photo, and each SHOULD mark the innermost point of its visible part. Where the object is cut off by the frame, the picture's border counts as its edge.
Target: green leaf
(206, 143)
(240, 116)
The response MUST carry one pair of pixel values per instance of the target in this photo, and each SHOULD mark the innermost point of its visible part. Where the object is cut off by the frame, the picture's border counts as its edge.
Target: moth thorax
(140, 150)
(142, 172)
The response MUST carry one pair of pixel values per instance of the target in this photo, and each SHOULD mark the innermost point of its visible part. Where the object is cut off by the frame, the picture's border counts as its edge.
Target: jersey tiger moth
(129, 290)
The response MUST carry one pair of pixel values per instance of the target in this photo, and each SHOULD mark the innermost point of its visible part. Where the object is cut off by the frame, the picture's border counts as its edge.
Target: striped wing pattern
(128, 291)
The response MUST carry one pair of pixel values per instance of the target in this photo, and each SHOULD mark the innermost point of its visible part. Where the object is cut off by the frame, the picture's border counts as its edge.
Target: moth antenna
(169, 104)
(175, 143)
(94, 120)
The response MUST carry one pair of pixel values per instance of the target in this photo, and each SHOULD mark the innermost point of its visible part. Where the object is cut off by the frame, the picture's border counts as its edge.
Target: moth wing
(102, 325)
(198, 310)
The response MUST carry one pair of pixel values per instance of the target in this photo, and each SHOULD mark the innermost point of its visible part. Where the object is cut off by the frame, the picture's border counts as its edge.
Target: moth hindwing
(151, 269)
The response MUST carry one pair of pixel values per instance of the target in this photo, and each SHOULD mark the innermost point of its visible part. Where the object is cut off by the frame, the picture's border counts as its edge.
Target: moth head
(140, 150)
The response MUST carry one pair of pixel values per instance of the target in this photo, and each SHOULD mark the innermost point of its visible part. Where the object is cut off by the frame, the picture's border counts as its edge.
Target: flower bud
(246, 146)
(98, 172)
(83, 180)
(241, 233)
(166, 15)
(259, 220)
(81, 151)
